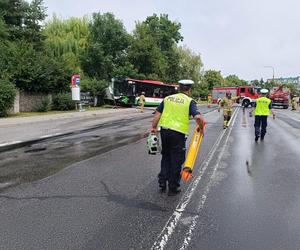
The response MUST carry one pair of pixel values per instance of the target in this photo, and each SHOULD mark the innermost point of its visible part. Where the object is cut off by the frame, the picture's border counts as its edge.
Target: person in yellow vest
(173, 116)
(263, 107)
(142, 100)
(227, 104)
(294, 103)
(209, 100)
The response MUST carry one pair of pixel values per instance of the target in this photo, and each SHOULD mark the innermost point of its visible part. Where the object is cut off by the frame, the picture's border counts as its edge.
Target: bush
(45, 105)
(7, 97)
(63, 101)
(95, 87)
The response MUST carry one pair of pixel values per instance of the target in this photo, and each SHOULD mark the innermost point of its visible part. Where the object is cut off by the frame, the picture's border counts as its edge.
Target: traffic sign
(75, 80)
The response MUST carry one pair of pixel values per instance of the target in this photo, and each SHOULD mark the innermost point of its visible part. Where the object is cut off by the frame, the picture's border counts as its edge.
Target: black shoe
(162, 187)
(262, 138)
(173, 191)
(256, 138)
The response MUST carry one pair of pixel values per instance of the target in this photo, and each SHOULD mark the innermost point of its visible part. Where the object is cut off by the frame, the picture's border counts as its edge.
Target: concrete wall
(16, 108)
(28, 102)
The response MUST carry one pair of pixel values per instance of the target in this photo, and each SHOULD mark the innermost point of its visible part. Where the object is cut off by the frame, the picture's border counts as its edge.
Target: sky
(234, 36)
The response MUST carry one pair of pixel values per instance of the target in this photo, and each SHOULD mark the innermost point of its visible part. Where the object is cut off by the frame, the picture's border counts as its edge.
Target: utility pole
(272, 70)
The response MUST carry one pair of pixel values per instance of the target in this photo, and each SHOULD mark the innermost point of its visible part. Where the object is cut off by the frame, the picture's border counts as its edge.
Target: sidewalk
(20, 129)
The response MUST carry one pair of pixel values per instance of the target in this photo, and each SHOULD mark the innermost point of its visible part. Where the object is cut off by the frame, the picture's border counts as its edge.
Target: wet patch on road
(130, 202)
(41, 160)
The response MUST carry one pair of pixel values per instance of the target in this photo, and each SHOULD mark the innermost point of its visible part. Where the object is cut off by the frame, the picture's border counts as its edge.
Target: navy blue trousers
(173, 156)
(260, 125)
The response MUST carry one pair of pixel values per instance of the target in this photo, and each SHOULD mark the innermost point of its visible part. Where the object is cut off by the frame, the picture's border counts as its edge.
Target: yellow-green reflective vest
(176, 111)
(262, 106)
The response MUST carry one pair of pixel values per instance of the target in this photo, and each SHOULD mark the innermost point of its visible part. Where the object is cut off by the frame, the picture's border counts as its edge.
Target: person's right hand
(201, 122)
(153, 130)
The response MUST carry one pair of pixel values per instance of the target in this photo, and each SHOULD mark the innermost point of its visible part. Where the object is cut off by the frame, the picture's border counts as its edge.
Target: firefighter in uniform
(142, 100)
(227, 104)
(294, 103)
(173, 116)
(209, 100)
(263, 107)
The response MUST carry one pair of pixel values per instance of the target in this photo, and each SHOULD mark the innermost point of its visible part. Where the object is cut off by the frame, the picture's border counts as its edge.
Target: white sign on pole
(76, 93)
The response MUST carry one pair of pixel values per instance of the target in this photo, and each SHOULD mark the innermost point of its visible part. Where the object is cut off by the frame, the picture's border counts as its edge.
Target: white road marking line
(288, 116)
(297, 120)
(189, 234)
(171, 224)
(9, 143)
(6, 184)
(51, 135)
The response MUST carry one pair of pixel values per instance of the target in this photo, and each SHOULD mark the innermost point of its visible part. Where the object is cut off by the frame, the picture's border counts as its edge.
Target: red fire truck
(280, 97)
(246, 94)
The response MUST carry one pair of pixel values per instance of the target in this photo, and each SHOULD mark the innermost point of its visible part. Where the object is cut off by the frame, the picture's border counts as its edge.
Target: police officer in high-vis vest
(173, 116)
(263, 107)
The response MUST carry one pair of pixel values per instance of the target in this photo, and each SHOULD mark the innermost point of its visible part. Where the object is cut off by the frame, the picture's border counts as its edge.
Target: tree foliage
(107, 44)
(32, 70)
(63, 101)
(7, 96)
(67, 39)
(294, 89)
(190, 64)
(154, 48)
(3, 29)
(23, 60)
(147, 58)
(234, 80)
(213, 78)
(95, 87)
(23, 20)
(200, 90)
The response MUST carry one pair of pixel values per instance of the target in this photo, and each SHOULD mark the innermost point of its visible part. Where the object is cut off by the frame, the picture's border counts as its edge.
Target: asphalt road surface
(98, 190)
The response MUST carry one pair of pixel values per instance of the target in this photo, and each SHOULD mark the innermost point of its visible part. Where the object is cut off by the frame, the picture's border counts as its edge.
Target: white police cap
(264, 91)
(186, 82)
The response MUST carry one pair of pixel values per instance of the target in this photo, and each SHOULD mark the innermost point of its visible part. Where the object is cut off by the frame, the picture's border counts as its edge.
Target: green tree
(7, 96)
(13, 12)
(234, 80)
(190, 64)
(3, 30)
(294, 89)
(213, 78)
(269, 84)
(32, 70)
(35, 15)
(154, 51)
(24, 20)
(147, 58)
(200, 90)
(107, 45)
(6, 60)
(67, 39)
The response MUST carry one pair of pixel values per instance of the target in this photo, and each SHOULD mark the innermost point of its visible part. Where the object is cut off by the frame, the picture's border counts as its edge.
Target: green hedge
(63, 101)
(7, 96)
(45, 105)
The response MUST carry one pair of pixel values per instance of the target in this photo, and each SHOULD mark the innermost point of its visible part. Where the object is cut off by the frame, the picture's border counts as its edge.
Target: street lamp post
(272, 70)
